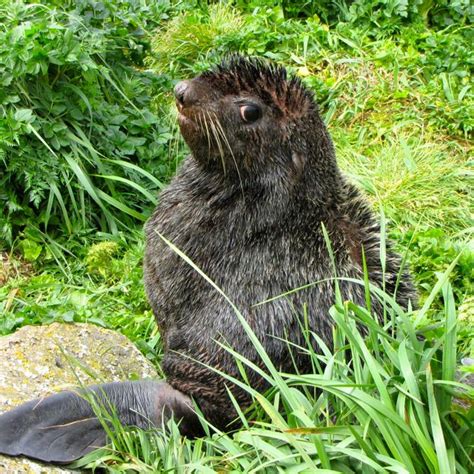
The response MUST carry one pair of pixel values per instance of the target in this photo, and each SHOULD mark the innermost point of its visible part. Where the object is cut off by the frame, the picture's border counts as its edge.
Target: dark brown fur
(247, 207)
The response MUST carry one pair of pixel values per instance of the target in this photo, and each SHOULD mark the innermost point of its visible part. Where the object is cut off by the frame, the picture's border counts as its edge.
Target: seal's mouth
(185, 116)
(180, 109)
(187, 123)
(191, 126)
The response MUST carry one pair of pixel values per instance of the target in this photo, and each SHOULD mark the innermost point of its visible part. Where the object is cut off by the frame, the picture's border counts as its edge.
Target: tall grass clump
(384, 397)
(192, 33)
(78, 138)
(419, 182)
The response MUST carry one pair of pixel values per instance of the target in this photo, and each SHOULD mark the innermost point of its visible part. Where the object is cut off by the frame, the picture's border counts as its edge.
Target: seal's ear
(299, 162)
(64, 427)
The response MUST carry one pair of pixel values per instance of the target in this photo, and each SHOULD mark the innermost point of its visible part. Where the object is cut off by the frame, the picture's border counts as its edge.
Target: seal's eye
(250, 113)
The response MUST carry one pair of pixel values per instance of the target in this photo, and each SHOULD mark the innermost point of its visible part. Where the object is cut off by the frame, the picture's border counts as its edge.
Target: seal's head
(248, 114)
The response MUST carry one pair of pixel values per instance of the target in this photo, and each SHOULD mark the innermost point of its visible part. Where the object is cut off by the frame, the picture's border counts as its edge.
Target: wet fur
(251, 218)
(248, 207)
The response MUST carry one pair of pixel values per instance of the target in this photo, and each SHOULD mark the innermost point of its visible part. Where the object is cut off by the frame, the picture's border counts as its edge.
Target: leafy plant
(100, 259)
(78, 138)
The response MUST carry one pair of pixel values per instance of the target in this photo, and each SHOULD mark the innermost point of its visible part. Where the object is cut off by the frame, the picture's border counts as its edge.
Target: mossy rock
(40, 360)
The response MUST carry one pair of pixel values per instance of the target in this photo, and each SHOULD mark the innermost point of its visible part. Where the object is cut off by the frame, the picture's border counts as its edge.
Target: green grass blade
(136, 168)
(444, 466)
(449, 346)
(119, 205)
(132, 184)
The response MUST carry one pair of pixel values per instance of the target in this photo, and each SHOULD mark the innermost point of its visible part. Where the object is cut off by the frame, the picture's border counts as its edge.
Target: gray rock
(25, 466)
(39, 360)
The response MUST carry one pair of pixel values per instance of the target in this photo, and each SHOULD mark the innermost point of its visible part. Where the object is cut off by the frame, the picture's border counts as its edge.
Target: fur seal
(247, 207)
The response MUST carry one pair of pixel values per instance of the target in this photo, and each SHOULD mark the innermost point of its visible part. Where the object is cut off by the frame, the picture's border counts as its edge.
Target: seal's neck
(279, 185)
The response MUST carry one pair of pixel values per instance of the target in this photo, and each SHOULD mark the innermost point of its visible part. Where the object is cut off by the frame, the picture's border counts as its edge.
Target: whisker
(202, 119)
(218, 140)
(224, 136)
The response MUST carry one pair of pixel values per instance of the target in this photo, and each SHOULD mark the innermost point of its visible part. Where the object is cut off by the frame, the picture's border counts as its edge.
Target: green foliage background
(78, 133)
(85, 134)
(88, 135)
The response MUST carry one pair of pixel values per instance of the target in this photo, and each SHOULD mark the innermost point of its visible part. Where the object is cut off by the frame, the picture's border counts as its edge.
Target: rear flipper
(64, 427)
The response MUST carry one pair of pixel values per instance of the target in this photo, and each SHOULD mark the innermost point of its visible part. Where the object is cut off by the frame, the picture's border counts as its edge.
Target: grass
(187, 35)
(376, 403)
(102, 287)
(380, 402)
(419, 181)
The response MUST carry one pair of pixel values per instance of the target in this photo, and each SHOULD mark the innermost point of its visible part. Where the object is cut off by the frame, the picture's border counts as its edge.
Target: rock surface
(40, 360)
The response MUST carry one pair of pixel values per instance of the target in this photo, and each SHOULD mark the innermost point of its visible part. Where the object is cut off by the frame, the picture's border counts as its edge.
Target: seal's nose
(180, 92)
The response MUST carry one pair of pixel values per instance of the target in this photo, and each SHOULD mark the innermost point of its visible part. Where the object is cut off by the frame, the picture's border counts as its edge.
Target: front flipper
(64, 427)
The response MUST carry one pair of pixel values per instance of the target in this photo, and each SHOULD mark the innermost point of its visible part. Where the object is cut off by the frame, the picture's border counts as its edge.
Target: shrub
(78, 136)
(100, 258)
